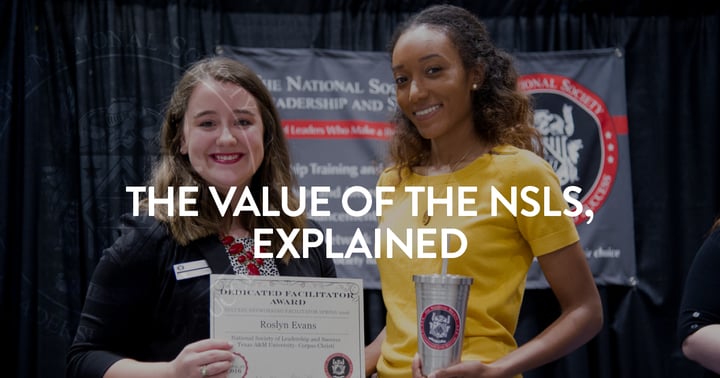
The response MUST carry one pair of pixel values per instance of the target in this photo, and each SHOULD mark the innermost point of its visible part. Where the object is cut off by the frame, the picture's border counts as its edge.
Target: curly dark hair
(502, 114)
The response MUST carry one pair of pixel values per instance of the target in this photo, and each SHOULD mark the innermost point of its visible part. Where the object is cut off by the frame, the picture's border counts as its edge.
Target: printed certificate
(290, 327)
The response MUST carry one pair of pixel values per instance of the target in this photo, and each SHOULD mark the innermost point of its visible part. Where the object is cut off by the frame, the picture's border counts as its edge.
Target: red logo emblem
(579, 136)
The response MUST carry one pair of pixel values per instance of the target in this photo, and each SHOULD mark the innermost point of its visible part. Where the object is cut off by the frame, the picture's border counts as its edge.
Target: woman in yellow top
(463, 122)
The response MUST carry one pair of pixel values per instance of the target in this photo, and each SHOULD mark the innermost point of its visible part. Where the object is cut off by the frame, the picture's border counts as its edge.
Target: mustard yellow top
(499, 251)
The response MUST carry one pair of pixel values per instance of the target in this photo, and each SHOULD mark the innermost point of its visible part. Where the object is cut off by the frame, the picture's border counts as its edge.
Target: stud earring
(474, 86)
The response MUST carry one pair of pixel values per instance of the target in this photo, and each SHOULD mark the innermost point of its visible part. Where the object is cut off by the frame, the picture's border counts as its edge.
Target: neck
(452, 158)
(238, 230)
(233, 226)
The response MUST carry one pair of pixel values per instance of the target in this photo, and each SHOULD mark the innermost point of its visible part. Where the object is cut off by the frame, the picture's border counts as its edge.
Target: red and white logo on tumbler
(440, 326)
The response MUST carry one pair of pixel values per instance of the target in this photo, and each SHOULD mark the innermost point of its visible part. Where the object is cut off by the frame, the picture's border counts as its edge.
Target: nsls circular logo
(578, 134)
(338, 365)
(240, 365)
(440, 326)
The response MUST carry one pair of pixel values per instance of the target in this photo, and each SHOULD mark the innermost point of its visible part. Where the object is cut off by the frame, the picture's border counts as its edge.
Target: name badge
(191, 269)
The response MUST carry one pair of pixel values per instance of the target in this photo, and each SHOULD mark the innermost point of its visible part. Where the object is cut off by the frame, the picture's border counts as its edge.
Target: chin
(226, 186)
(427, 132)
(427, 135)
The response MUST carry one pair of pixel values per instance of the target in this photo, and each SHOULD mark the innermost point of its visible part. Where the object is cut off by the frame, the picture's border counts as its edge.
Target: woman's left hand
(475, 369)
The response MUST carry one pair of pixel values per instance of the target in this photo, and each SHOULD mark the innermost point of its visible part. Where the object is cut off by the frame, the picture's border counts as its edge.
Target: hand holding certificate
(290, 326)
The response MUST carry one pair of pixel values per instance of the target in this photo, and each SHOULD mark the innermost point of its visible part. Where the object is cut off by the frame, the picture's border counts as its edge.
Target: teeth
(427, 111)
(226, 157)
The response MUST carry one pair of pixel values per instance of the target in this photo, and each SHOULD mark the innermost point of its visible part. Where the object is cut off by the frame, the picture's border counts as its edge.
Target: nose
(417, 91)
(226, 136)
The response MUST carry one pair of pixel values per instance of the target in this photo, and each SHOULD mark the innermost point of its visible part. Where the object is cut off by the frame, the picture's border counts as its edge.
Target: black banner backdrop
(69, 65)
(580, 110)
(336, 105)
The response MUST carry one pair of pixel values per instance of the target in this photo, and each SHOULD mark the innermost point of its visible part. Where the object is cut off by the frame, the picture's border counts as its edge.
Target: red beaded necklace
(243, 253)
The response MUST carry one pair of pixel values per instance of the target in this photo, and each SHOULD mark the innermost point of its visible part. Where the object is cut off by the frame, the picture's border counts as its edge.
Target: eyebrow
(422, 59)
(236, 112)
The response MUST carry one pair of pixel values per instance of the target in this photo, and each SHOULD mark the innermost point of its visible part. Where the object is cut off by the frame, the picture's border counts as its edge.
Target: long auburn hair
(173, 169)
(502, 114)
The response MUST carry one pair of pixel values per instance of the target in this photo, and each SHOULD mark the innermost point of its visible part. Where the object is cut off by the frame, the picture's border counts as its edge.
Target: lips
(427, 112)
(226, 158)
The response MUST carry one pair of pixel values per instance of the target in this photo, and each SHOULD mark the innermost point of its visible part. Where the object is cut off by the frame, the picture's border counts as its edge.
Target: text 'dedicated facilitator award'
(302, 327)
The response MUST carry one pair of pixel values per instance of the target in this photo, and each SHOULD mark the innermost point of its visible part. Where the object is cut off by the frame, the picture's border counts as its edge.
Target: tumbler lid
(453, 279)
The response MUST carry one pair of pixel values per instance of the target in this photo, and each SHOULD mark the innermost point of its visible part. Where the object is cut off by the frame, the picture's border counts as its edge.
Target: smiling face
(223, 134)
(433, 87)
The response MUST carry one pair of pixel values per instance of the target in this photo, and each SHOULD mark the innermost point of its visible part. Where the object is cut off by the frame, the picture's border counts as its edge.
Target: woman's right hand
(204, 358)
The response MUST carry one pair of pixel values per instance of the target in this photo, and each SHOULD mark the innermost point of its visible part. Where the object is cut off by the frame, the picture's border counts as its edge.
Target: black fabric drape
(83, 87)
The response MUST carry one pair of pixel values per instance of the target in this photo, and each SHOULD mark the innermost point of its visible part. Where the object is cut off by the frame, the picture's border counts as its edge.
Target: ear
(477, 76)
(183, 145)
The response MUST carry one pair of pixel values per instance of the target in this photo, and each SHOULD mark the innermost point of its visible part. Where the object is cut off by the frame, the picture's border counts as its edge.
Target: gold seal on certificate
(303, 327)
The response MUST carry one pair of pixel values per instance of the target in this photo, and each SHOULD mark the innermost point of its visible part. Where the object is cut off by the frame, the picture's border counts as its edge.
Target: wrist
(167, 370)
(498, 369)
(370, 369)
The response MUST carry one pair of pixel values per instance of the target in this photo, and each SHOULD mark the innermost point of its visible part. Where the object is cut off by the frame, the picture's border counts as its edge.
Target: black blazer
(136, 308)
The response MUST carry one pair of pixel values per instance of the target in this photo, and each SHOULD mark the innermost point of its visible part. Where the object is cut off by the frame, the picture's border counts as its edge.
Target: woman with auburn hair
(140, 318)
